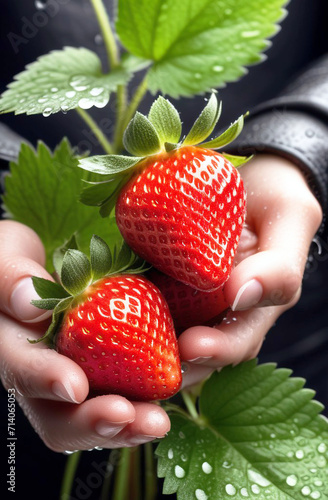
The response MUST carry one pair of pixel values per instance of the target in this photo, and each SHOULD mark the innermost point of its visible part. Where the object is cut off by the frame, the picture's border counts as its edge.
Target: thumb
(21, 256)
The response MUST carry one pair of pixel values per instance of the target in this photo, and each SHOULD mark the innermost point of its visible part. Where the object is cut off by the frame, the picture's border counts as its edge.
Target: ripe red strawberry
(188, 306)
(184, 213)
(179, 205)
(117, 328)
(121, 334)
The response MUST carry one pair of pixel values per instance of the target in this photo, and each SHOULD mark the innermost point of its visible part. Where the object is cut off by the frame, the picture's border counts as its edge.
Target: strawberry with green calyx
(113, 323)
(179, 205)
(188, 306)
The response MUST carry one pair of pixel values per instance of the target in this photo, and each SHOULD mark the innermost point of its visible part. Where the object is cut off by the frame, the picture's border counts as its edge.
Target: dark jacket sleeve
(295, 125)
(10, 143)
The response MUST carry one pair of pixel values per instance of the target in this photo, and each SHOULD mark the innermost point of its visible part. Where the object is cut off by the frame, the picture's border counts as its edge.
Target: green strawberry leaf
(259, 435)
(60, 81)
(227, 136)
(205, 123)
(140, 137)
(133, 64)
(42, 191)
(197, 45)
(166, 120)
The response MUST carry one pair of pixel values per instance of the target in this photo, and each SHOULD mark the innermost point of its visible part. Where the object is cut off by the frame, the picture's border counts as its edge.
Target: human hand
(51, 388)
(282, 218)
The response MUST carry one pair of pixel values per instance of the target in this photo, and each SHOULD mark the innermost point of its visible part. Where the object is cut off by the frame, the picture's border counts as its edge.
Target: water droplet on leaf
(230, 489)
(179, 471)
(96, 91)
(322, 448)
(257, 478)
(200, 494)
(47, 112)
(85, 103)
(207, 468)
(291, 480)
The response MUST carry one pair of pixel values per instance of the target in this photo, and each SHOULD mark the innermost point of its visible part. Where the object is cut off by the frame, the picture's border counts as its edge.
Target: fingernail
(200, 360)
(106, 429)
(20, 302)
(143, 439)
(64, 391)
(248, 295)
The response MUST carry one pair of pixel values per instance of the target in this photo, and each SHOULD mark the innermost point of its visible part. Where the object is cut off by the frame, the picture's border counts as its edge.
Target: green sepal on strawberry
(180, 205)
(114, 323)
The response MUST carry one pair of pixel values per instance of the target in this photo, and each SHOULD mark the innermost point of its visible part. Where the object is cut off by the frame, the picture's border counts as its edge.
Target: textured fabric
(295, 126)
(297, 136)
(9, 143)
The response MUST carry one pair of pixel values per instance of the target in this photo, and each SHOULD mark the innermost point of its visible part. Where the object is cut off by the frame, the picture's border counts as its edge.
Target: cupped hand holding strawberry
(113, 323)
(179, 205)
(52, 389)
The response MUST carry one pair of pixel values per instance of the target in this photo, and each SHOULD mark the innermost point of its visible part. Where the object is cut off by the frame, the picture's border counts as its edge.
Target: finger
(68, 427)
(238, 338)
(21, 256)
(150, 422)
(285, 221)
(35, 370)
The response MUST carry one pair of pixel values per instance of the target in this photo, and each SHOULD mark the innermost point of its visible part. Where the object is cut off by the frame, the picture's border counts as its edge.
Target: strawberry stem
(135, 474)
(107, 33)
(150, 473)
(127, 116)
(103, 141)
(122, 475)
(107, 480)
(190, 405)
(69, 474)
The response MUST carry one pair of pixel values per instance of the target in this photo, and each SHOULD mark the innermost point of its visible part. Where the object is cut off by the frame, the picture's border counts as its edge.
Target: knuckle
(290, 285)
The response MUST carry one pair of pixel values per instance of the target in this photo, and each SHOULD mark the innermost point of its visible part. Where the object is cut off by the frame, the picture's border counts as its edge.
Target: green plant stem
(107, 481)
(131, 109)
(187, 399)
(122, 477)
(69, 473)
(135, 474)
(121, 104)
(150, 473)
(107, 33)
(96, 130)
